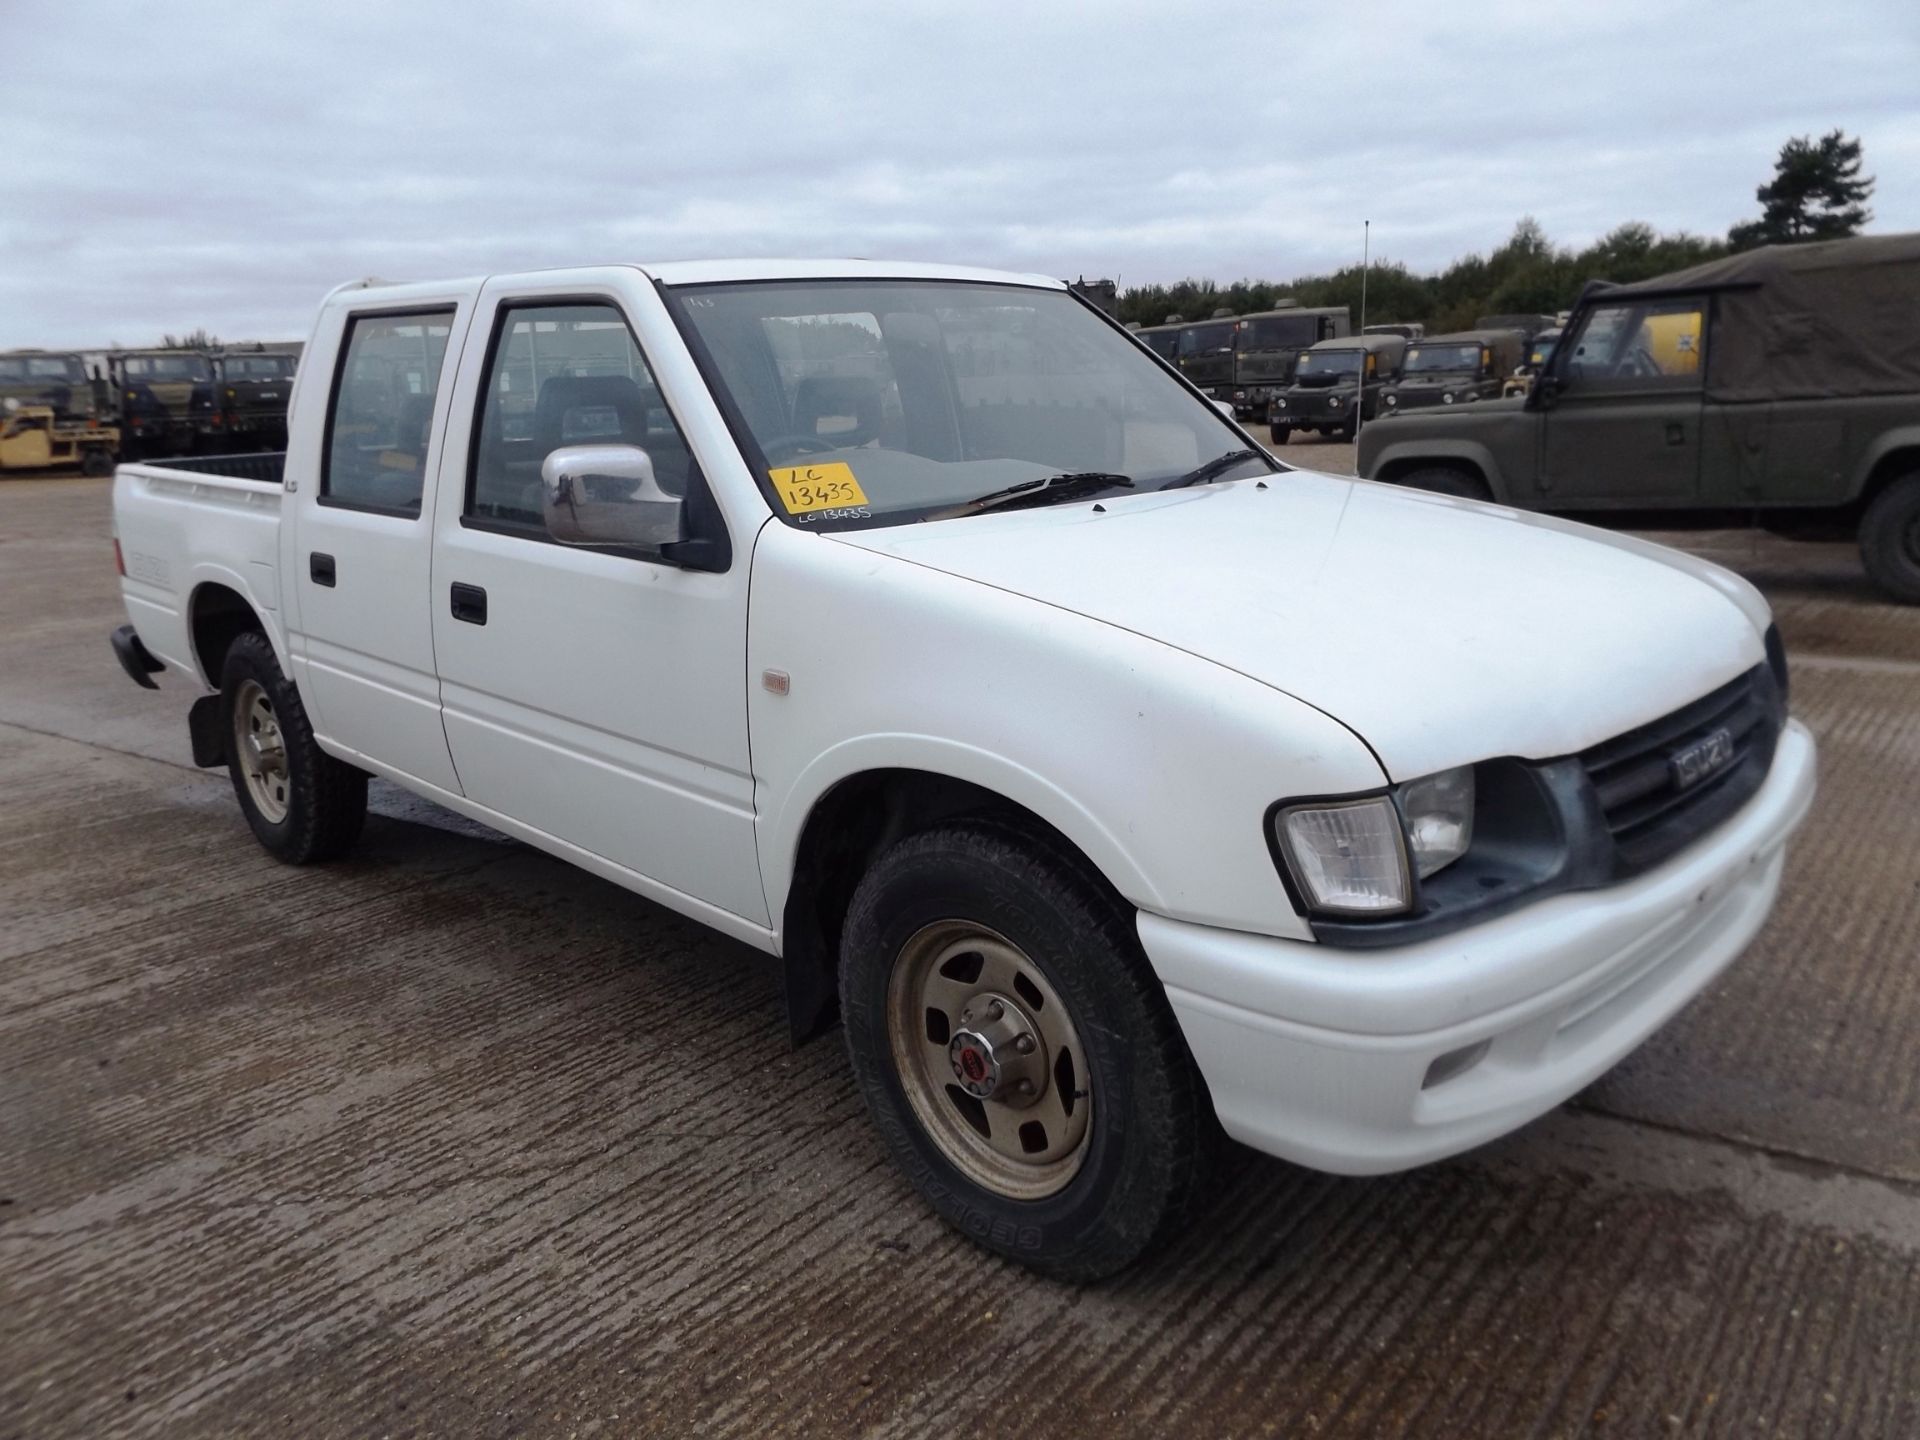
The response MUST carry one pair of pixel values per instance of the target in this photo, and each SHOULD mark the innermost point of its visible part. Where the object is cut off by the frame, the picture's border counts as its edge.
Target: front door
(1622, 430)
(358, 555)
(596, 696)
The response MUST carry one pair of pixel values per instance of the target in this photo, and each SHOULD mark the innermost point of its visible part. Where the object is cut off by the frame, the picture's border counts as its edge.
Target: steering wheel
(795, 445)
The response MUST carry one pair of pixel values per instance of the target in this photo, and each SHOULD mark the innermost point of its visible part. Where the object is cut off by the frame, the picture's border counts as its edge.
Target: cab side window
(566, 374)
(382, 411)
(1660, 344)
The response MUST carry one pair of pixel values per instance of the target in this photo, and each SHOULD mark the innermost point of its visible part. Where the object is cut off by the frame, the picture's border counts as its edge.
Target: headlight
(1393, 399)
(1334, 402)
(1348, 858)
(1280, 404)
(1447, 399)
(1361, 857)
(1439, 817)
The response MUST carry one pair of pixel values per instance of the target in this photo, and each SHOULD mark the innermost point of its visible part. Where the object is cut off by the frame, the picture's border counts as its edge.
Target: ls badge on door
(1702, 758)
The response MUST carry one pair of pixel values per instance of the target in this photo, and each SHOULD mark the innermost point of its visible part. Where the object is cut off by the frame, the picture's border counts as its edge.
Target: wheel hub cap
(997, 1054)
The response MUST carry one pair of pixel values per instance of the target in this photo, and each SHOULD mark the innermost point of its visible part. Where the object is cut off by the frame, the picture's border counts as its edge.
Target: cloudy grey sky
(179, 164)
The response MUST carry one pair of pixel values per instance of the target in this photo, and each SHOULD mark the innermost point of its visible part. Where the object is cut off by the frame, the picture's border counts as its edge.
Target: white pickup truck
(1117, 785)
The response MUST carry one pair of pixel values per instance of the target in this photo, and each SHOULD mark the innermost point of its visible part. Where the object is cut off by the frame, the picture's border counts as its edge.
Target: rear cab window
(381, 411)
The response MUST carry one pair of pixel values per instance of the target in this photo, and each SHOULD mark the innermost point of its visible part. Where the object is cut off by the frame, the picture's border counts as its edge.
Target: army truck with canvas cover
(166, 401)
(1780, 386)
(1269, 344)
(1337, 384)
(1453, 369)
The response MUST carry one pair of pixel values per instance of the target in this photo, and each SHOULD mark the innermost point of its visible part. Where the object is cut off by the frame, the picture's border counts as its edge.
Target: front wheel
(1282, 433)
(1016, 1052)
(301, 803)
(1890, 539)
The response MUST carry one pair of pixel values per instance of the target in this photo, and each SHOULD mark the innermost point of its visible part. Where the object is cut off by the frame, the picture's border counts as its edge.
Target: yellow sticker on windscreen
(805, 488)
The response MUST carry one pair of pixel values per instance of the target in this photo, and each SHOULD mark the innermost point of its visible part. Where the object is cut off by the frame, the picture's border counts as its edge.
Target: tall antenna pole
(1366, 261)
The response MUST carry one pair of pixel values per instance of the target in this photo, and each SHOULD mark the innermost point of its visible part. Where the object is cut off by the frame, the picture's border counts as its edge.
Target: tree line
(1817, 193)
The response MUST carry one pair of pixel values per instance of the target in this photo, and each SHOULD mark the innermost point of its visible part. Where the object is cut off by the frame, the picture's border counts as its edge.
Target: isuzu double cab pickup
(1114, 784)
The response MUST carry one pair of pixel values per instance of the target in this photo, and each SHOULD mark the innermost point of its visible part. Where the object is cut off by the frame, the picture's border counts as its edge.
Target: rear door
(596, 696)
(358, 555)
(1623, 428)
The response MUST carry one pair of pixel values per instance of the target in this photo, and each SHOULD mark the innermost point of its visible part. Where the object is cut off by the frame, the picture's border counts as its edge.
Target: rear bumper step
(135, 658)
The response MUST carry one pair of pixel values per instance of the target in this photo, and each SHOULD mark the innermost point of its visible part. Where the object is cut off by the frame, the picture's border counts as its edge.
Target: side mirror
(1225, 407)
(608, 495)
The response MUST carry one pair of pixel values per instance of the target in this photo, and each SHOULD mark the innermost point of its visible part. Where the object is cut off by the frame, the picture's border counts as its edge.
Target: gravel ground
(453, 1139)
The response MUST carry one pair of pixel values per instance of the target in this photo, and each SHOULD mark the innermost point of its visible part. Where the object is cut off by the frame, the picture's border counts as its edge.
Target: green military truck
(166, 401)
(1780, 386)
(56, 379)
(1336, 384)
(251, 388)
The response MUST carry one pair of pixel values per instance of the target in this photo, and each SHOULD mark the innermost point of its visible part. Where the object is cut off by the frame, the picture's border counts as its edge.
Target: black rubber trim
(135, 658)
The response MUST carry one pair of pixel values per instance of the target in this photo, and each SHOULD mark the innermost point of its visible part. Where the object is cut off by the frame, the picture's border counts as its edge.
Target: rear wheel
(96, 463)
(301, 803)
(1890, 539)
(1016, 1052)
(1446, 480)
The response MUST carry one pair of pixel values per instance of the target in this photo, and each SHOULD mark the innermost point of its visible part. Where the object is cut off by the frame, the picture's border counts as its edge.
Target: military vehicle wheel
(1445, 480)
(96, 463)
(1282, 434)
(1890, 539)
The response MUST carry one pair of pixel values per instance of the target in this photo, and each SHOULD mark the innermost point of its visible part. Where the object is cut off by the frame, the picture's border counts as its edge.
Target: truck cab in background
(252, 386)
(166, 401)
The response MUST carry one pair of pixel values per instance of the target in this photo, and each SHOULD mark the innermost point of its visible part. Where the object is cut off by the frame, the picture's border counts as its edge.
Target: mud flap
(206, 726)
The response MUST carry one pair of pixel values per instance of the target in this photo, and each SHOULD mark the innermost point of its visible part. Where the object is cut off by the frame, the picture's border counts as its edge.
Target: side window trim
(322, 493)
(497, 334)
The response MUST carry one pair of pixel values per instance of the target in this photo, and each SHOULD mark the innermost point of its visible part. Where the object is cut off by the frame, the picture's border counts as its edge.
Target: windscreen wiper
(1213, 469)
(1044, 491)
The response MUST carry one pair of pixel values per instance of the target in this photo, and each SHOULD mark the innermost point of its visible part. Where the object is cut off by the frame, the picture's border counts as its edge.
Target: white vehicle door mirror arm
(608, 495)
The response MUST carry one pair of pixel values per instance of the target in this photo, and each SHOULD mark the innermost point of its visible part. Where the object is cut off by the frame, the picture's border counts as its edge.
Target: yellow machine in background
(31, 438)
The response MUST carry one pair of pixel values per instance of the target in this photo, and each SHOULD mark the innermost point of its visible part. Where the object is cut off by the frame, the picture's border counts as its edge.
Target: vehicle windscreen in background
(1329, 363)
(1279, 332)
(906, 398)
(1207, 339)
(1432, 358)
(167, 367)
(41, 367)
(259, 367)
(1540, 352)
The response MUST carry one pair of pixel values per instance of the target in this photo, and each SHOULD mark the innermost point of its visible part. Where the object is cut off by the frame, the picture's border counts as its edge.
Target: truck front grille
(1662, 786)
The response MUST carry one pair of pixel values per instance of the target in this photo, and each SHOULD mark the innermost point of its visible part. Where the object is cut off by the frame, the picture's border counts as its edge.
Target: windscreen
(878, 402)
(1330, 364)
(1278, 332)
(167, 367)
(1207, 339)
(41, 367)
(1429, 359)
(259, 367)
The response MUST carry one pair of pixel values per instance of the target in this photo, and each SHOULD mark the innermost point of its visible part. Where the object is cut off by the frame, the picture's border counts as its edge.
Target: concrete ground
(450, 1139)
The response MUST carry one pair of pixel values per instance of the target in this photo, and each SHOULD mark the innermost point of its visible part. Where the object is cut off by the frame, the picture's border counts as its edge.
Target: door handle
(469, 603)
(320, 567)
(1676, 433)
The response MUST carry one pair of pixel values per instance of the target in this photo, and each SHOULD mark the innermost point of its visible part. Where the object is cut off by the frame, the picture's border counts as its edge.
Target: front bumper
(1363, 1062)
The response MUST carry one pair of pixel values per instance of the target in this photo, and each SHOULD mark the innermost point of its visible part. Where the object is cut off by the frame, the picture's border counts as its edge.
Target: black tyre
(1016, 1052)
(96, 463)
(1890, 539)
(1445, 480)
(303, 804)
(1281, 433)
